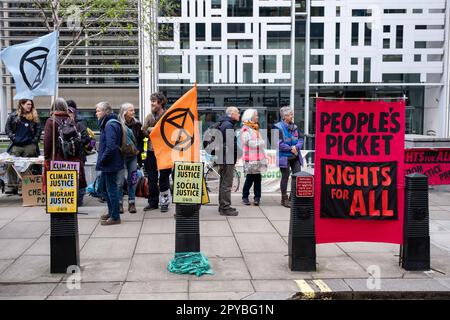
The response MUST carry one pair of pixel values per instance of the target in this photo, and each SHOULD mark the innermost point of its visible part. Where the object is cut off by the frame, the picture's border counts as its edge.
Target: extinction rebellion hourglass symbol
(35, 62)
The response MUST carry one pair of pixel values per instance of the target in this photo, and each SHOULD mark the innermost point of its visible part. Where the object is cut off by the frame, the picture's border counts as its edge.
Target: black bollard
(302, 237)
(64, 243)
(415, 252)
(187, 228)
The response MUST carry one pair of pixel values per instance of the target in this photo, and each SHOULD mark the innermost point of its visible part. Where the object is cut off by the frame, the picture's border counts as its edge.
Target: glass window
(355, 33)
(386, 43)
(417, 57)
(386, 29)
(368, 34)
(267, 64)
(354, 61)
(204, 69)
(286, 64)
(240, 8)
(274, 12)
(392, 58)
(170, 64)
(216, 31)
(165, 31)
(236, 27)
(216, 4)
(200, 31)
(240, 44)
(354, 76)
(399, 37)
(367, 66)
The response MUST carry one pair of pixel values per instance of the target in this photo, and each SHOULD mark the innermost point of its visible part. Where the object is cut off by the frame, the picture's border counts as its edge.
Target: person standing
(253, 157)
(126, 117)
(24, 130)
(227, 160)
(52, 138)
(289, 146)
(158, 180)
(85, 140)
(110, 161)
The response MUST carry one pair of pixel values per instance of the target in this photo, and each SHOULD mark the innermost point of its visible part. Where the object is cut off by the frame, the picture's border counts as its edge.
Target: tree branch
(76, 45)
(44, 15)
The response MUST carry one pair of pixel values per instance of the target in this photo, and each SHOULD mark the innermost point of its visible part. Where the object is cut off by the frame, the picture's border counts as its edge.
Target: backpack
(69, 139)
(209, 137)
(128, 147)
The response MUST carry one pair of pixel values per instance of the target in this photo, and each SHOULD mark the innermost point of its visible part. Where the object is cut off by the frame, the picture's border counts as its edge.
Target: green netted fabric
(191, 263)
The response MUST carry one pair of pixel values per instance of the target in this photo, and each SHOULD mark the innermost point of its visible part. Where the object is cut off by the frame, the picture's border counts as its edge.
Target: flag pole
(54, 97)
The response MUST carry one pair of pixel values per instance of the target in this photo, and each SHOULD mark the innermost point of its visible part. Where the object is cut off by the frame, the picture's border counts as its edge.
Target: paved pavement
(248, 254)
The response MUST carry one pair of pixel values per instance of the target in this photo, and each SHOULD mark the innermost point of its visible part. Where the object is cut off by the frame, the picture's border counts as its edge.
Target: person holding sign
(110, 160)
(253, 156)
(158, 180)
(289, 146)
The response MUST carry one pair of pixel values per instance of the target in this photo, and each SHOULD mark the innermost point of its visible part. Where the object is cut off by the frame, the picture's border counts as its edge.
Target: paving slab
(329, 250)
(30, 269)
(436, 227)
(148, 267)
(87, 226)
(338, 267)
(157, 214)
(386, 263)
(88, 289)
(215, 229)
(220, 286)
(123, 230)
(12, 211)
(209, 212)
(247, 212)
(5, 264)
(14, 248)
(275, 285)
(34, 214)
(85, 297)
(108, 248)
(251, 225)
(158, 225)
(103, 270)
(398, 285)
(92, 212)
(156, 243)
(444, 223)
(369, 247)
(24, 229)
(24, 298)
(155, 296)
(276, 213)
(441, 239)
(133, 217)
(156, 286)
(42, 246)
(282, 227)
(261, 242)
(219, 247)
(226, 269)
(271, 266)
(4, 223)
(220, 296)
(17, 290)
(270, 296)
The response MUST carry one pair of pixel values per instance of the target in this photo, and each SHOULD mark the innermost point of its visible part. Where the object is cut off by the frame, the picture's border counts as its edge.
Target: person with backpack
(134, 132)
(110, 161)
(85, 140)
(65, 138)
(289, 146)
(158, 180)
(253, 157)
(24, 130)
(226, 159)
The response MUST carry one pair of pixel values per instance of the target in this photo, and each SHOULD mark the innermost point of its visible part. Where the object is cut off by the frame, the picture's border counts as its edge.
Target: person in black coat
(24, 130)
(227, 160)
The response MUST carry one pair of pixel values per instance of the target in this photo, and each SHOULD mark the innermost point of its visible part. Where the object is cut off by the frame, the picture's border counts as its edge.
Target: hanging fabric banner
(359, 171)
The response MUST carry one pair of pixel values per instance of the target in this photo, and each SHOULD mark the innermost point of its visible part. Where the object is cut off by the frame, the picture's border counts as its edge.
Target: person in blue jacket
(110, 161)
(289, 146)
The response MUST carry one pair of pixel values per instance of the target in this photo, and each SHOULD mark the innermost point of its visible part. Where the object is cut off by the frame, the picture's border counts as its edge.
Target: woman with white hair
(289, 145)
(253, 156)
(126, 117)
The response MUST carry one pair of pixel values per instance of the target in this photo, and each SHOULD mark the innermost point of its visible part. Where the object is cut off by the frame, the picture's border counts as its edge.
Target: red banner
(359, 179)
(434, 163)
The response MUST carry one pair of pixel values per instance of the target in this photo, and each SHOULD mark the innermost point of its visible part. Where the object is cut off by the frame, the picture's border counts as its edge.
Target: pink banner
(434, 163)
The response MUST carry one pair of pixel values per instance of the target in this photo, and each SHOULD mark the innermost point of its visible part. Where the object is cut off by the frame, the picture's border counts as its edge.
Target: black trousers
(158, 180)
(255, 180)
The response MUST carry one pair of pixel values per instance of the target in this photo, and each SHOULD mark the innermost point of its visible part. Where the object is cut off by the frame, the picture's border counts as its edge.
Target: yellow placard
(62, 191)
(187, 182)
(205, 195)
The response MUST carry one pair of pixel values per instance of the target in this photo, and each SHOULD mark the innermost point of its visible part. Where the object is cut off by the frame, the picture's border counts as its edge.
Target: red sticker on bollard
(305, 187)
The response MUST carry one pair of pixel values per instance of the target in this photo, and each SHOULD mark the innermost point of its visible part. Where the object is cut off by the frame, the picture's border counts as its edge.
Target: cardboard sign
(65, 165)
(305, 187)
(32, 194)
(359, 171)
(434, 163)
(62, 191)
(188, 182)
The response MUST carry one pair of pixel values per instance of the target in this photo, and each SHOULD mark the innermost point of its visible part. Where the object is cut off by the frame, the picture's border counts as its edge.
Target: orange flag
(175, 136)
